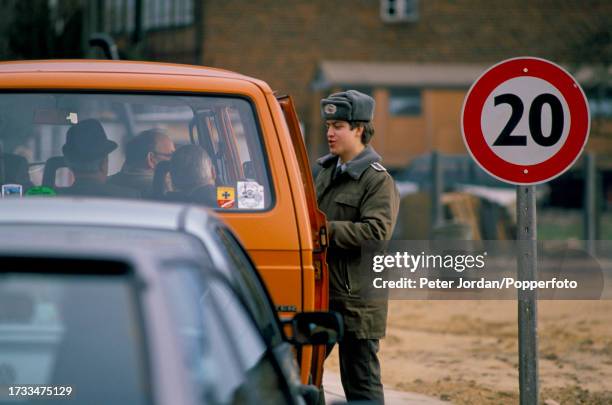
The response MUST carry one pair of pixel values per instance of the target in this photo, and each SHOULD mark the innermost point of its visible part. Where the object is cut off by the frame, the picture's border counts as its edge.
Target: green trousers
(360, 369)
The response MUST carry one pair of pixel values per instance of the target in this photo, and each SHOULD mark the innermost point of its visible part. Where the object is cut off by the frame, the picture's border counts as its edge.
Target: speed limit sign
(525, 120)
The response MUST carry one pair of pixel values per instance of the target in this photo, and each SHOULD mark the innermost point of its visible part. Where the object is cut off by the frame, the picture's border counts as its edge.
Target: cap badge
(330, 109)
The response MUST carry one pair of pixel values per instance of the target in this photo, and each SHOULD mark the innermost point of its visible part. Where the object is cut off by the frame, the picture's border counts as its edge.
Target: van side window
(230, 135)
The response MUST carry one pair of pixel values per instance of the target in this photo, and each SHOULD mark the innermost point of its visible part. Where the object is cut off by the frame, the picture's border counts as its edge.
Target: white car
(121, 302)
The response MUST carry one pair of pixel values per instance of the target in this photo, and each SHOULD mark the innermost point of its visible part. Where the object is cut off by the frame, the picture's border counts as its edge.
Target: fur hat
(350, 105)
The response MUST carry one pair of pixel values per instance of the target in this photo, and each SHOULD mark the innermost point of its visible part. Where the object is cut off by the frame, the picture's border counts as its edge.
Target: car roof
(97, 243)
(100, 229)
(117, 66)
(94, 211)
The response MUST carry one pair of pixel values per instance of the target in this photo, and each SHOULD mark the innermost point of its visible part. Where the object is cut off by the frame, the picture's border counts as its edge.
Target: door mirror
(317, 328)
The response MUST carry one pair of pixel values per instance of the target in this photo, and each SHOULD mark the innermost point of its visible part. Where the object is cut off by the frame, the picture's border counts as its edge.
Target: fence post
(590, 202)
(437, 188)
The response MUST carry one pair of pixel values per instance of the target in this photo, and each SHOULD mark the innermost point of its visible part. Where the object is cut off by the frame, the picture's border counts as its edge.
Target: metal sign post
(527, 299)
(525, 121)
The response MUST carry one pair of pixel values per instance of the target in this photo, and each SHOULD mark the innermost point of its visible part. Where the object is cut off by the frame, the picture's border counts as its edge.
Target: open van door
(317, 224)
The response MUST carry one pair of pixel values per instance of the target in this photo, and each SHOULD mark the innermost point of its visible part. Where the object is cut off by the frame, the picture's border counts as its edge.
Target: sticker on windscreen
(226, 197)
(12, 190)
(41, 191)
(250, 195)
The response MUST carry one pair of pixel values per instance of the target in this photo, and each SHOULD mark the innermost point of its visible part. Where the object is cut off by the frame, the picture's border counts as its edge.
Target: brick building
(418, 68)
(416, 57)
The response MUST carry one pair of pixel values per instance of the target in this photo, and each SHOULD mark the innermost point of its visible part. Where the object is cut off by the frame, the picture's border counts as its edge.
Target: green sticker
(40, 191)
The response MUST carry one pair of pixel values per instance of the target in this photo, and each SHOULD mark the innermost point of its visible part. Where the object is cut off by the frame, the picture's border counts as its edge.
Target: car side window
(226, 355)
(250, 283)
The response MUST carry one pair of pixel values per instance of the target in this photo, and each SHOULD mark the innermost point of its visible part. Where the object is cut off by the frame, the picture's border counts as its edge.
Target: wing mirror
(316, 328)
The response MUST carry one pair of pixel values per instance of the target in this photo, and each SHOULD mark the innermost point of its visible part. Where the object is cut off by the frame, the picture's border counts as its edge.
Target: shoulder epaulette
(378, 167)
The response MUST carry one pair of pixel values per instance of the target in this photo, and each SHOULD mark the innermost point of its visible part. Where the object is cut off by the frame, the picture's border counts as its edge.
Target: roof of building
(396, 74)
(390, 74)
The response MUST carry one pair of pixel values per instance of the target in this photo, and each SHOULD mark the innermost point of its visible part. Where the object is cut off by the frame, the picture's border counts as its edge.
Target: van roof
(117, 66)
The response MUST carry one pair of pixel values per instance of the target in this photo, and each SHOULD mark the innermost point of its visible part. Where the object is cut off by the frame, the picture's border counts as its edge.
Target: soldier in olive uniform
(361, 202)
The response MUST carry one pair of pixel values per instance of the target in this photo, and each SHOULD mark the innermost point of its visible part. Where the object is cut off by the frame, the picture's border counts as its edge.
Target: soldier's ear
(360, 130)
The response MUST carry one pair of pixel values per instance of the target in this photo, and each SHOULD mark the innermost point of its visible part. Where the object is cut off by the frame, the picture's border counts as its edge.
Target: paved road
(334, 393)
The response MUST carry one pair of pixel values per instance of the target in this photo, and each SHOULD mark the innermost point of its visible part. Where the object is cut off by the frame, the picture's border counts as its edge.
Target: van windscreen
(181, 148)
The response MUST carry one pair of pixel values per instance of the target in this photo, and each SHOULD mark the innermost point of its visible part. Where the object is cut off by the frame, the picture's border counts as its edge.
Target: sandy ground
(466, 352)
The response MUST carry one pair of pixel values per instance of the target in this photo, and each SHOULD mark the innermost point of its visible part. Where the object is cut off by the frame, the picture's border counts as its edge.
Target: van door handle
(323, 237)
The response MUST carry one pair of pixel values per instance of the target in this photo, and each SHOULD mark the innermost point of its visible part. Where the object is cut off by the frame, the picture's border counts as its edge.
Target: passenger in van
(86, 152)
(142, 154)
(193, 176)
(361, 203)
(15, 169)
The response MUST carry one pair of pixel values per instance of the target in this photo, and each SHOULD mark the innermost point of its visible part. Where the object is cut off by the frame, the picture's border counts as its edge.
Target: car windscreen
(201, 149)
(69, 338)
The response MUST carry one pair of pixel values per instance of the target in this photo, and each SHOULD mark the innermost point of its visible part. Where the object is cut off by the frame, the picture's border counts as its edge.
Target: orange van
(263, 186)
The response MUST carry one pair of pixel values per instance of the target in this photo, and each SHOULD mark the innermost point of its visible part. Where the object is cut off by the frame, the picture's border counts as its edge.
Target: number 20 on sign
(525, 120)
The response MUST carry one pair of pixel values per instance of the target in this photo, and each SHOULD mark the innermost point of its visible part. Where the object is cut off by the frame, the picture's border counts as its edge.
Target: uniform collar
(355, 167)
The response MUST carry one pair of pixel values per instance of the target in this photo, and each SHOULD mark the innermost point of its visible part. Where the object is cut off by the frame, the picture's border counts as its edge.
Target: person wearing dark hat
(86, 152)
(361, 203)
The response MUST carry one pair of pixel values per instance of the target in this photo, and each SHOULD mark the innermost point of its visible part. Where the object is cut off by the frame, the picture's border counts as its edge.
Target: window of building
(119, 15)
(404, 101)
(167, 13)
(399, 10)
(600, 104)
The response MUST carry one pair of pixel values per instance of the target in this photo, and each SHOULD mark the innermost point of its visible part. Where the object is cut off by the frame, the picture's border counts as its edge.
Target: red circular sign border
(543, 171)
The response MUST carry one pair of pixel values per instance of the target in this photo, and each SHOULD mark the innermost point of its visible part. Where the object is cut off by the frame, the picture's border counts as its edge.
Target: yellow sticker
(226, 197)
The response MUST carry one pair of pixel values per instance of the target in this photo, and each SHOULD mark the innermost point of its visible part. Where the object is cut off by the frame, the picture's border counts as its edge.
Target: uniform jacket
(361, 204)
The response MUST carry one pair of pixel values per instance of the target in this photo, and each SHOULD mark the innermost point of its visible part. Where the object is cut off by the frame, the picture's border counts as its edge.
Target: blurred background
(417, 58)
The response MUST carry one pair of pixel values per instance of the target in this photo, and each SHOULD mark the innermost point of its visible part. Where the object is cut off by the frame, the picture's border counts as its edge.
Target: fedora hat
(87, 141)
